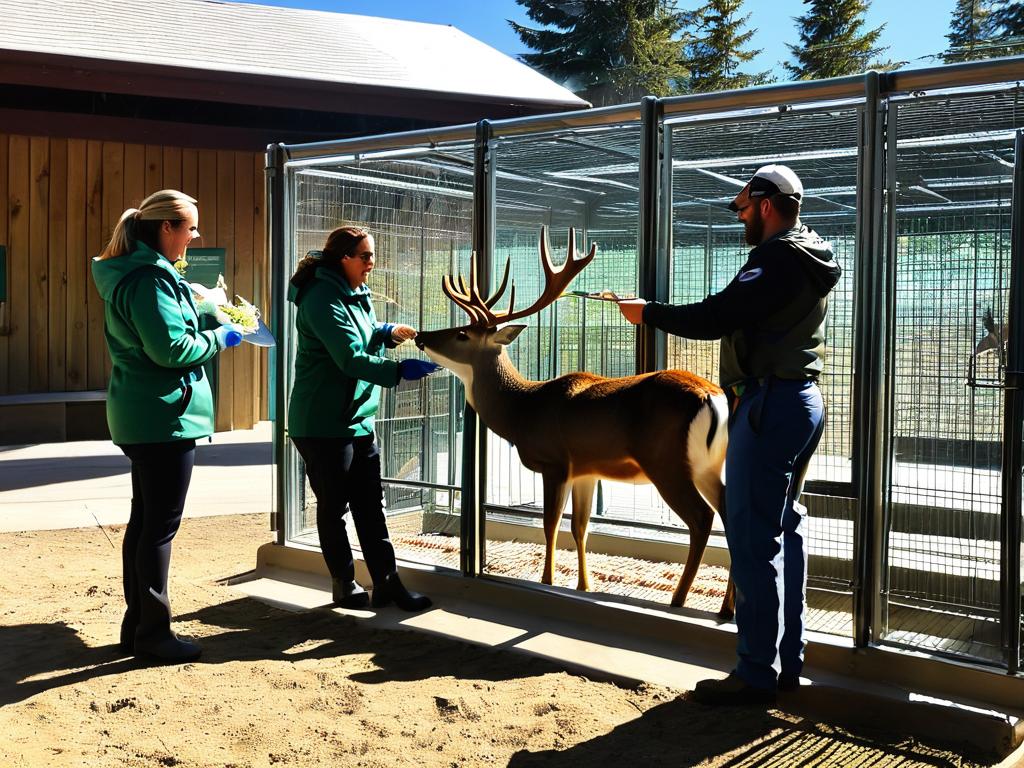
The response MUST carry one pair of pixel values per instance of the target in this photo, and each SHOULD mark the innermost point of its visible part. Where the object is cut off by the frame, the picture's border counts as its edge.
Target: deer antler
(555, 282)
(468, 297)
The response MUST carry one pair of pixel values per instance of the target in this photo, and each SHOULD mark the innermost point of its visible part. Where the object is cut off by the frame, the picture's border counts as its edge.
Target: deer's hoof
(724, 616)
(676, 603)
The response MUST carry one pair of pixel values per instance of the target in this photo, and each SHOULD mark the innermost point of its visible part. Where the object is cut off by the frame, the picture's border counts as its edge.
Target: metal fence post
(868, 382)
(474, 435)
(1013, 428)
(276, 201)
(652, 347)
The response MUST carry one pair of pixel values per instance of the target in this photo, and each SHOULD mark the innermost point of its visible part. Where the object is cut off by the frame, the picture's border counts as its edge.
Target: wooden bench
(53, 417)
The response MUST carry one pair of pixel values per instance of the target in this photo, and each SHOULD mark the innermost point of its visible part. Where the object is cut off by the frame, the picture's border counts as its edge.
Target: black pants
(345, 472)
(160, 477)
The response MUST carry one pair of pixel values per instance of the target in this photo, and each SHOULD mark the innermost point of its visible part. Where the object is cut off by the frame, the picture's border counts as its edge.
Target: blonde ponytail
(165, 205)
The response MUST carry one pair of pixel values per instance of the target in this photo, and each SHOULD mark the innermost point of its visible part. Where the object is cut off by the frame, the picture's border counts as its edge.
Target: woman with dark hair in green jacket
(158, 401)
(338, 371)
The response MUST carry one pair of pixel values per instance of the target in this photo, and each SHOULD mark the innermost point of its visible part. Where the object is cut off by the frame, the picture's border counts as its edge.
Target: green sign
(204, 265)
(3, 273)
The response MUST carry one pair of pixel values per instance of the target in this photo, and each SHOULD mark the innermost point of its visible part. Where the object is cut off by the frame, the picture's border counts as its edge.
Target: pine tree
(607, 51)
(715, 51)
(968, 30)
(831, 41)
(1006, 28)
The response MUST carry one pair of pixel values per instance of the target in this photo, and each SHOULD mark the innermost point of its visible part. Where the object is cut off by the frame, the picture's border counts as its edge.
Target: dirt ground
(316, 688)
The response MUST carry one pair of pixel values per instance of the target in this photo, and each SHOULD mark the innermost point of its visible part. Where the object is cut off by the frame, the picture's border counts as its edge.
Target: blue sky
(914, 28)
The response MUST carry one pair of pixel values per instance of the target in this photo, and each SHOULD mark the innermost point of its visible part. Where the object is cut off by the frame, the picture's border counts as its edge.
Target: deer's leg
(582, 503)
(681, 494)
(712, 489)
(728, 609)
(556, 490)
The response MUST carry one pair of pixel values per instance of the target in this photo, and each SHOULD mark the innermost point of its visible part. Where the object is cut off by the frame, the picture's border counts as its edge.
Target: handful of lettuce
(242, 313)
(214, 301)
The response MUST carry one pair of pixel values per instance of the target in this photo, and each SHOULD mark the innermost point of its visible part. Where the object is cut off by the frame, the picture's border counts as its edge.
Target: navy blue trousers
(775, 428)
(345, 473)
(161, 473)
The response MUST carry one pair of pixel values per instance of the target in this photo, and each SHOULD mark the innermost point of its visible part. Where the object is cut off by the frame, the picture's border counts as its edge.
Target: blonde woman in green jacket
(339, 368)
(158, 401)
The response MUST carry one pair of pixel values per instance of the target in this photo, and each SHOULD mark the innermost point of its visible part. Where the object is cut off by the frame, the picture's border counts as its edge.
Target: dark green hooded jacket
(337, 361)
(770, 317)
(158, 390)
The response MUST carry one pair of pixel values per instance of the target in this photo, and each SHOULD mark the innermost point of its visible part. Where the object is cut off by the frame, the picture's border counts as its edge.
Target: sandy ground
(317, 688)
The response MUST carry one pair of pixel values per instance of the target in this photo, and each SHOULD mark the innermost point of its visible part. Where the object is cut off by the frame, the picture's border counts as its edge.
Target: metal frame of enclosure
(915, 495)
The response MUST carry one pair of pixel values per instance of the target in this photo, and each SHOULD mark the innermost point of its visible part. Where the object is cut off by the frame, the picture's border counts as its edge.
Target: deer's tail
(708, 437)
(706, 444)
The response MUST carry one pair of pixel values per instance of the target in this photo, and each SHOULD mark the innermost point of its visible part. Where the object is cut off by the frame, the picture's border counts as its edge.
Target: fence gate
(951, 543)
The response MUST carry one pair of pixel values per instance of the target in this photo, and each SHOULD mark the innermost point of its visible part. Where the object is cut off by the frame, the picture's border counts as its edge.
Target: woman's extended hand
(633, 310)
(228, 335)
(402, 333)
(412, 369)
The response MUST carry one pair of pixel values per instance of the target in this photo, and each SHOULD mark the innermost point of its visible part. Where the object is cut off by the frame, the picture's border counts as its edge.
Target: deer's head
(996, 338)
(465, 349)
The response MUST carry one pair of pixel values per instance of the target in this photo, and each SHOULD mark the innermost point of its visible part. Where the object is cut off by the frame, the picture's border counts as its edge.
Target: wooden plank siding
(61, 198)
(57, 266)
(18, 263)
(76, 334)
(261, 277)
(5, 306)
(96, 346)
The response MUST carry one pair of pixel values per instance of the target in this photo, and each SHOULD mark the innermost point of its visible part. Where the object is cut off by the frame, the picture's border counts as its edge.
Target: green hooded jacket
(337, 361)
(158, 390)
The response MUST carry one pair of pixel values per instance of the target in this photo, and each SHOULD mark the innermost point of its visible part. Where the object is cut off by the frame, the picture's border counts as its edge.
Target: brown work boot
(732, 690)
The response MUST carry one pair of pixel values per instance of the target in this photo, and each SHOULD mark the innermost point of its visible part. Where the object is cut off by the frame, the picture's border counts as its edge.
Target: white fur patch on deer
(668, 428)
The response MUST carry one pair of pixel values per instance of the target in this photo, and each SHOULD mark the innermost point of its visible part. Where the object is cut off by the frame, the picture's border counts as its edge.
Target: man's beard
(753, 228)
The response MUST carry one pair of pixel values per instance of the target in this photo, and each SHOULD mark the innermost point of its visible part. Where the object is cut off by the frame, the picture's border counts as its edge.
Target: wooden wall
(61, 198)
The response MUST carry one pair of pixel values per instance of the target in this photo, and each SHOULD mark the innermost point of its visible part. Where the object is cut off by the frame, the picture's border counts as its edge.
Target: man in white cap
(771, 320)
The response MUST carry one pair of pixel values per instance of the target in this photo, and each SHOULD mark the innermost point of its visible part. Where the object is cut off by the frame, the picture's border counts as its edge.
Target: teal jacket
(338, 362)
(158, 390)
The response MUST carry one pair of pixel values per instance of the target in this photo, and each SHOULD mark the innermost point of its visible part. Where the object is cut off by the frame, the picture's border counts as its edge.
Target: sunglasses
(366, 256)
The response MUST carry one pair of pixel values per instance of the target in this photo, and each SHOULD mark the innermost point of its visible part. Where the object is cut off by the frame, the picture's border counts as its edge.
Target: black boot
(348, 594)
(393, 590)
(732, 690)
(154, 639)
(167, 650)
(126, 642)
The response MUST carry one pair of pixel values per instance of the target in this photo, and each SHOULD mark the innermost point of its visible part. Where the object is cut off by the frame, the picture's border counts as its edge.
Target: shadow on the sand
(38, 657)
(678, 732)
(683, 732)
(255, 631)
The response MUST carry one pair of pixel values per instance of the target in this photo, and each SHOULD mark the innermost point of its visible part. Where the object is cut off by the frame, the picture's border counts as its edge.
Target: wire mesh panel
(950, 181)
(711, 162)
(418, 206)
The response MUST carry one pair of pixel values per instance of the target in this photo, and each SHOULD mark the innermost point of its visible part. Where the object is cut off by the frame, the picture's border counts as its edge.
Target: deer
(993, 343)
(668, 428)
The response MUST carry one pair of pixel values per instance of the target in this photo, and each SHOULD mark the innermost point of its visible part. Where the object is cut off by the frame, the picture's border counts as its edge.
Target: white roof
(312, 46)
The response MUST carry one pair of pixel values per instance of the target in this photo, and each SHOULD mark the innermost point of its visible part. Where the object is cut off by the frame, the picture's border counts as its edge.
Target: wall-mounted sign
(204, 265)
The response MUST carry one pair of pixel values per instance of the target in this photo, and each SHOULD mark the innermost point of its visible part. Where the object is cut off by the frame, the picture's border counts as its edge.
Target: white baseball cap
(767, 181)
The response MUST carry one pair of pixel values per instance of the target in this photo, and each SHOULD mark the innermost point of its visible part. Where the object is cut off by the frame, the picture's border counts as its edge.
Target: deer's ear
(507, 333)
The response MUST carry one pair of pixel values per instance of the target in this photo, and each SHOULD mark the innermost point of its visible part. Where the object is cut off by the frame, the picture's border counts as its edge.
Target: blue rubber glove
(387, 328)
(412, 369)
(228, 335)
